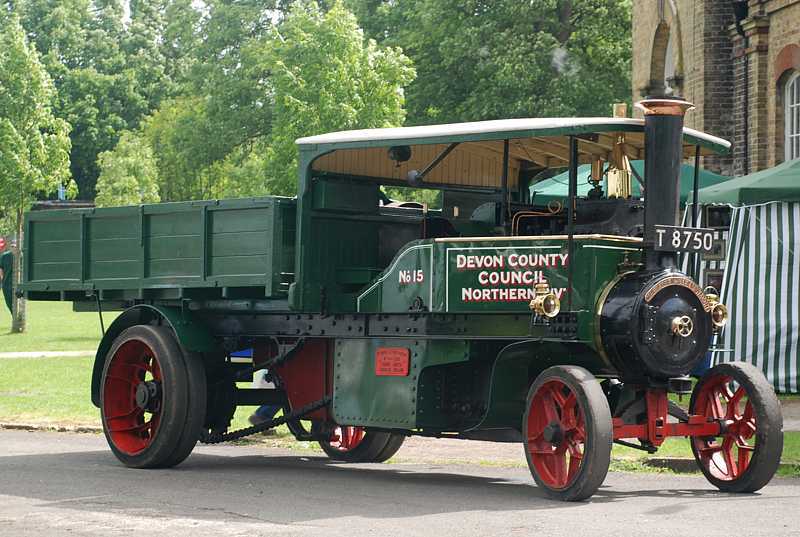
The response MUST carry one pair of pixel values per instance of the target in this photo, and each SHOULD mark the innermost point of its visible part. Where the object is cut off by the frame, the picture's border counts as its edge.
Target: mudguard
(518, 365)
(191, 335)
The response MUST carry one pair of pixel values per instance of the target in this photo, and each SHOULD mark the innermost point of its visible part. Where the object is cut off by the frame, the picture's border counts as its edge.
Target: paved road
(61, 484)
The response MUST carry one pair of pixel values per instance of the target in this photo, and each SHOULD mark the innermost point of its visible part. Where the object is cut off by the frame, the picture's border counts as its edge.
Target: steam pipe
(573, 193)
(663, 139)
(504, 205)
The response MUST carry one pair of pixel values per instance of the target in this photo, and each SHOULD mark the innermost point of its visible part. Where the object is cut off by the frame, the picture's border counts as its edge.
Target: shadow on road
(291, 489)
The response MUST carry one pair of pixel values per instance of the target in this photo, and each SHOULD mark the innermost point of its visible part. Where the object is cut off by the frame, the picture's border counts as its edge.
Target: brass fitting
(718, 311)
(682, 326)
(545, 303)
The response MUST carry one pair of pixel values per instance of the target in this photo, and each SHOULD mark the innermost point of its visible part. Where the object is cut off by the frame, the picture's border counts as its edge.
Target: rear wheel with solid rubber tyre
(392, 447)
(153, 398)
(567, 431)
(349, 443)
(745, 456)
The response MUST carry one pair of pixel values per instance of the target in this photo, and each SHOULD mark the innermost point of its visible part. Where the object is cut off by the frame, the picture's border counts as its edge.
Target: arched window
(791, 123)
(666, 57)
(669, 64)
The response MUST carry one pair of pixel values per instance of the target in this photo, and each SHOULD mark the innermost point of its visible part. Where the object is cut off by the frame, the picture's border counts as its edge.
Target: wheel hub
(148, 395)
(553, 433)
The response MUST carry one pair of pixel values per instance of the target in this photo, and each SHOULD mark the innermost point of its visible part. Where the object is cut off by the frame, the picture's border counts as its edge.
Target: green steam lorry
(563, 327)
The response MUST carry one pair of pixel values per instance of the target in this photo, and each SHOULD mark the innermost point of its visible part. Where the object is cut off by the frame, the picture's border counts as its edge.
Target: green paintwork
(138, 252)
(453, 276)
(596, 263)
(347, 196)
(362, 398)
(333, 250)
(191, 334)
(408, 278)
(518, 365)
(317, 287)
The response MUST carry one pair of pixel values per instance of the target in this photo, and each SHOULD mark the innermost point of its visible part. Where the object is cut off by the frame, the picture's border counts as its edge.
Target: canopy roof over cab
(476, 149)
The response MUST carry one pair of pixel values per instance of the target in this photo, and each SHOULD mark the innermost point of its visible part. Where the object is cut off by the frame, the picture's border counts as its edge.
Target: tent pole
(696, 209)
(695, 186)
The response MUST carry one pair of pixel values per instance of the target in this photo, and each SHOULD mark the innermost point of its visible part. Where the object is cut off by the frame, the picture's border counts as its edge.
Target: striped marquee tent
(761, 285)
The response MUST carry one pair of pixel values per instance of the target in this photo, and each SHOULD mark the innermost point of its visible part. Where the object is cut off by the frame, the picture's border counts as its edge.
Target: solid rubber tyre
(755, 427)
(171, 432)
(567, 419)
(392, 446)
(369, 448)
(193, 427)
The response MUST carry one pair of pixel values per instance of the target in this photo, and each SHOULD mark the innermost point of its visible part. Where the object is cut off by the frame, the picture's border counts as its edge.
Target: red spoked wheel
(568, 433)
(153, 398)
(132, 396)
(351, 443)
(745, 456)
(346, 438)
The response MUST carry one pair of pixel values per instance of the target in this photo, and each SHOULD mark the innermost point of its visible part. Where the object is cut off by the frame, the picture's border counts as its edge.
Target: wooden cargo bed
(205, 249)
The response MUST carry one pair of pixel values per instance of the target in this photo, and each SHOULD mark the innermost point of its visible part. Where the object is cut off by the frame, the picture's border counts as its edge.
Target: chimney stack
(663, 139)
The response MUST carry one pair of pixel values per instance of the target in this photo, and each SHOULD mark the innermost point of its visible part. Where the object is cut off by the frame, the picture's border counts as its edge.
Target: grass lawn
(56, 391)
(52, 326)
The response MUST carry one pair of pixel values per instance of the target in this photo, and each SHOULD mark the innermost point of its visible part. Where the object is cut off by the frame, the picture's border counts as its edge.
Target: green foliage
(220, 89)
(487, 60)
(109, 75)
(325, 77)
(185, 143)
(269, 82)
(34, 144)
(432, 198)
(128, 174)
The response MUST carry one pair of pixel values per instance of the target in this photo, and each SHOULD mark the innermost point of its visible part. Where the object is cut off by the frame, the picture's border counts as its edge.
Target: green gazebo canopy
(781, 183)
(556, 187)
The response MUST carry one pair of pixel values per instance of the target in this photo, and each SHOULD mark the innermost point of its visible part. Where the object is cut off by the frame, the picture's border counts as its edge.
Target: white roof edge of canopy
(487, 127)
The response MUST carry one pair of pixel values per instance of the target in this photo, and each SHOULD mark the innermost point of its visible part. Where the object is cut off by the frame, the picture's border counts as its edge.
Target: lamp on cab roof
(400, 153)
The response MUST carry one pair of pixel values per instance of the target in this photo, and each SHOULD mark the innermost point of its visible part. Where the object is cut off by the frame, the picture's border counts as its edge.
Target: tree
(34, 144)
(110, 74)
(267, 81)
(479, 59)
(271, 80)
(325, 77)
(79, 41)
(128, 174)
(185, 143)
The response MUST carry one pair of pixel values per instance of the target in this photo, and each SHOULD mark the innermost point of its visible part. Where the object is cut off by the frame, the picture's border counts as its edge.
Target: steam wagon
(564, 327)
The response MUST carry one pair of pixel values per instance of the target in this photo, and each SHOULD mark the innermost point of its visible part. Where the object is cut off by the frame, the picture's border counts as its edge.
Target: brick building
(738, 61)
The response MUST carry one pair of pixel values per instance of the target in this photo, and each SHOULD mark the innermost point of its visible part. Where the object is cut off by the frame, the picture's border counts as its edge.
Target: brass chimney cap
(658, 106)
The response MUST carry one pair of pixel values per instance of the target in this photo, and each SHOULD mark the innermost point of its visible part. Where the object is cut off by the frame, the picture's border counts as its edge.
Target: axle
(656, 429)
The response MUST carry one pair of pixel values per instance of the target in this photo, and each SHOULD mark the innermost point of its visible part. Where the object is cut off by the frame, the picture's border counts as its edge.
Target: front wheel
(568, 433)
(745, 456)
(349, 443)
(153, 398)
